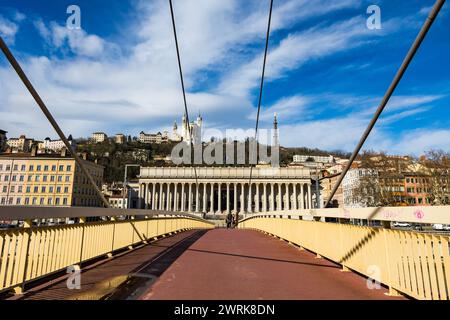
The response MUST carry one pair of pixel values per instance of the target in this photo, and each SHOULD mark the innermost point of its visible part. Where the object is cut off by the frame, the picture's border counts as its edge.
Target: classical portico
(222, 190)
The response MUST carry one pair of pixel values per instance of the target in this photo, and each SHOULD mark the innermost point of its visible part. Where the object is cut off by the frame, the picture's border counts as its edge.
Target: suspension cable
(184, 91)
(404, 66)
(261, 86)
(49, 116)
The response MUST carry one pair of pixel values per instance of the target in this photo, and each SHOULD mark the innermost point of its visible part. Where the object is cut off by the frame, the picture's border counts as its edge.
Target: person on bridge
(229, 220)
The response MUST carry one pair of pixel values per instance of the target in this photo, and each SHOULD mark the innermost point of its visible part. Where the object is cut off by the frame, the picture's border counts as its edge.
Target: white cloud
(8, 29)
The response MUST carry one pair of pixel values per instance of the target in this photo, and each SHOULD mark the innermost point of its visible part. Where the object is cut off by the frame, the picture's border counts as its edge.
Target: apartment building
(31, 179)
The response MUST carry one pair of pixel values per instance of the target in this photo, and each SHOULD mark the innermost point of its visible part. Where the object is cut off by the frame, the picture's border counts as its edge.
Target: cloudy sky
(326, 71)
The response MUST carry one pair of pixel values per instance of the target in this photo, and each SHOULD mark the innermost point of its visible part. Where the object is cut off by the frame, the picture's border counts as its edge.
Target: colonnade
(224, 197)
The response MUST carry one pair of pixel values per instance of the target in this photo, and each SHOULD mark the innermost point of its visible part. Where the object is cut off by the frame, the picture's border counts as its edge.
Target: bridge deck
(217, 264)
(244, 264)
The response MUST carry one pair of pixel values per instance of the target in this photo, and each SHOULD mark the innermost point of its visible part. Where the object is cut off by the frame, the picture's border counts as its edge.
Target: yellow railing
(415, 264)
(31, 253)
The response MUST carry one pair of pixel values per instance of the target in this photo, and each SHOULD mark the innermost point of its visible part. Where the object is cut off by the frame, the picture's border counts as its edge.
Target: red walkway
(242, 264)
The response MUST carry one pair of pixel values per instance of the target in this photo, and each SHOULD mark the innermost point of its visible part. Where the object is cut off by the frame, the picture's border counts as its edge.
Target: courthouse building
(221, 190)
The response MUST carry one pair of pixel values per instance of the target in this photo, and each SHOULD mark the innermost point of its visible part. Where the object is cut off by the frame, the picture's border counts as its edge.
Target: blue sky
(326, 71)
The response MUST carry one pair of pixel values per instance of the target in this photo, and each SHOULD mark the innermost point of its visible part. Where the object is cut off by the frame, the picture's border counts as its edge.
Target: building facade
(21, 144)
(55, 145)
(224, 190)
(120, 138)
(98, 137)
(150, 137)
(29, 179)
(194, 129)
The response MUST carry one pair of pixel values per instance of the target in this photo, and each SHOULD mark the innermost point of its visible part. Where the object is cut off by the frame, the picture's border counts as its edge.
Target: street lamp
(125, 183)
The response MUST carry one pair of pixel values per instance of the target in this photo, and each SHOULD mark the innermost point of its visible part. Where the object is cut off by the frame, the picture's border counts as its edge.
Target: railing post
(82, 221)
(20, 289)
(113, 220)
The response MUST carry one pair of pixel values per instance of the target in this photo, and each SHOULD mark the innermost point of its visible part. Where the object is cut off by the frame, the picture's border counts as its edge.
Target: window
(10, 201)
(66, 189)
(16, 167)
(60, 178)
(58, 189)
(41, 201)
(67, 178)
(61, 168)
(13, 189)
(45, 168)
(36, 189)
(38, 178)
(34, 201)
(8, 167)
(5, 189)
(57, 201)
(6, 178)
(30, 177)
(31, 167)
(38, 168)
(18, 200)
(43, 189)
(49, 201)
(28, 189)
(65, 201)
(44, 178)
(22, 178)
(52, 178)
(1, 167)
(19, 189)
(50, 189)
(22, 168)
(3, 200)
(27, 200)
(53, 168)
(14, 178)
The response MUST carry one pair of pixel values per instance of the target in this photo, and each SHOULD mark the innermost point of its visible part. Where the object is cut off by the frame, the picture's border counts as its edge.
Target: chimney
(33, 151)
(63, 152)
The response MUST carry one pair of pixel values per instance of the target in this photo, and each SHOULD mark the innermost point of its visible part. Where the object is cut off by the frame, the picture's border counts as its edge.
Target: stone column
(169, 197)
(243, 198)
(249, 200)
(257, 198)
(190, 197)
(302, 197)
(228, 198)
(175, 197)
(205, 209)
(153, 196)
(235, 197)
(183, 199)
(219, 201)
(264, 202)
(197, 198)
(160, 196)
(295, 196)
(287, 197)
(279, 205)
(272, 198)
(212, 198)
(140, 196)
(309, 196)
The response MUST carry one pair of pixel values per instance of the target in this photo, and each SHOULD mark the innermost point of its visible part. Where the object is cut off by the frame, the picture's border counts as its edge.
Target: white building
(306, 158)
(97, 137)
(350, 182)
(194, 128)
(118, 202)
(55, 145)
(150, 137)
(21, 144)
